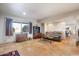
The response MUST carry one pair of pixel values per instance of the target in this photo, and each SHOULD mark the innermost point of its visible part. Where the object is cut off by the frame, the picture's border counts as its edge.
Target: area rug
(12, 53)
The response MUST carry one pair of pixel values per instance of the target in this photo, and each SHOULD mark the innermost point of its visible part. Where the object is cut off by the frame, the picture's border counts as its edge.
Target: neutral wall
(49, 27)
(3, 38)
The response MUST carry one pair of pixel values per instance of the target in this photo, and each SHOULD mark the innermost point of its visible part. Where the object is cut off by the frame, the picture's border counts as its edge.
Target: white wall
(49, 27)
(60, 26)
(3, 38)
(6, 39)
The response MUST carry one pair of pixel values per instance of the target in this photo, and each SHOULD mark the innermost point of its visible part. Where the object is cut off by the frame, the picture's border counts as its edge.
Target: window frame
(21, 26)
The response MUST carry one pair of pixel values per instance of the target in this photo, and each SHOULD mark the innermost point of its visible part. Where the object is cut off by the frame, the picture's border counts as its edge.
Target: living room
(34, 29)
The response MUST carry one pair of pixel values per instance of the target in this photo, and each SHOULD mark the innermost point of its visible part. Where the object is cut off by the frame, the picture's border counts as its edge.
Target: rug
(12, 53)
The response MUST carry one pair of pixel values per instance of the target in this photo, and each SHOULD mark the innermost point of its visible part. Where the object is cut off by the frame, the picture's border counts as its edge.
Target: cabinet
(21, 37)
(36, 32)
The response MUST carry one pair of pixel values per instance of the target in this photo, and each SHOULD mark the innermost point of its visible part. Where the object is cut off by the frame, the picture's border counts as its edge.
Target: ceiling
(37, 10)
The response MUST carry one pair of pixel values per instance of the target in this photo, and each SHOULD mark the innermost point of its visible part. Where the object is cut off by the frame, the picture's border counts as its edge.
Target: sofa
(54, 36)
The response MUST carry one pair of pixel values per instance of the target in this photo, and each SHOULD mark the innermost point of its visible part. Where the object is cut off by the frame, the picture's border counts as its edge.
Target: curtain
(9, 29)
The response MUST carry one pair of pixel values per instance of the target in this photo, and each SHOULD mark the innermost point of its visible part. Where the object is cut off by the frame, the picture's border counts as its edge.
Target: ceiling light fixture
(24, 13)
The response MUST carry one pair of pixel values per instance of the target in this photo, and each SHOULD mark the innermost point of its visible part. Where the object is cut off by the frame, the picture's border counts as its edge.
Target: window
(25, 28)
(17, 27)
(20, 28)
